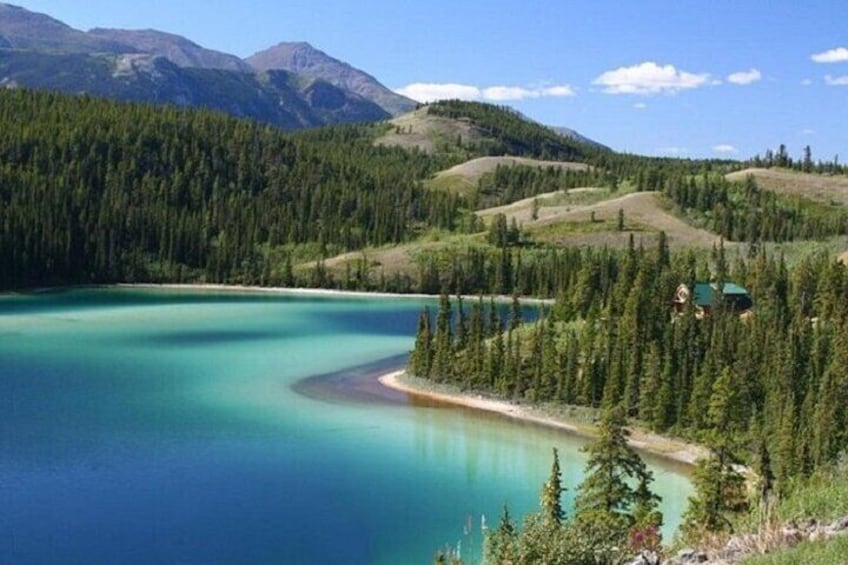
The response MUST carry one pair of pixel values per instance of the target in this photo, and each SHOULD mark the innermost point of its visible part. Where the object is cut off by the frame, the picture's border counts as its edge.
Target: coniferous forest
(95, 191)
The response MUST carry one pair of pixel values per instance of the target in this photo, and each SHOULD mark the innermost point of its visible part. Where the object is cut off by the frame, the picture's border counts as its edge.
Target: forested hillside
(95, 191)
(509, 133)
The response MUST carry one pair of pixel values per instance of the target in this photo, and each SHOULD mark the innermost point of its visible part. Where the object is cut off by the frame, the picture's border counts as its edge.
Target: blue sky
(687, 78)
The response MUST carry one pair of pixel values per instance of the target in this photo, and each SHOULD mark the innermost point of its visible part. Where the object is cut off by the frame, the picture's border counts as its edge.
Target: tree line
(744, 212)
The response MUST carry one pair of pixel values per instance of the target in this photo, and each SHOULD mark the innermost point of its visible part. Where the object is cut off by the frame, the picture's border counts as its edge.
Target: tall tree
(606, 495)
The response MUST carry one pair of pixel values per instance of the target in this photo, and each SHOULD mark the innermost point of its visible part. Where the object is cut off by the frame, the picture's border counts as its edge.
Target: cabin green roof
(703, 295)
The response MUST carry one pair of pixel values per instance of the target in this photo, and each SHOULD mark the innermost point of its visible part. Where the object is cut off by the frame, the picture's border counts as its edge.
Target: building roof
(703, 295)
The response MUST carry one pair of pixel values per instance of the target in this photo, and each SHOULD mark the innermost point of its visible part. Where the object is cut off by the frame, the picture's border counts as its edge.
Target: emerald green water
(141, 426)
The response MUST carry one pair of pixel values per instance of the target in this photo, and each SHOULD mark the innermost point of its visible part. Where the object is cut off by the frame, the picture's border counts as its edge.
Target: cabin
(705, 295)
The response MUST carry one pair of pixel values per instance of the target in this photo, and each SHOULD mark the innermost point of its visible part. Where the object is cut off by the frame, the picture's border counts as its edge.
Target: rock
(817, 534)
(687, 556)
(645, 558)
(838, 526)
(809, 524)
(791, 535)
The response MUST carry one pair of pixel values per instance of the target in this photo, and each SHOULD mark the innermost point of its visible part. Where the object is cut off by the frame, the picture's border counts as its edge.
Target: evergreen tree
(421, 359)
(443, 341)
(552, 494)
(606, 495)
(501, 544)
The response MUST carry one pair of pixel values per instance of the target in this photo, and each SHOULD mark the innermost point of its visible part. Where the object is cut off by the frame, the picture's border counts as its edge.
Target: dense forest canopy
(95, 191)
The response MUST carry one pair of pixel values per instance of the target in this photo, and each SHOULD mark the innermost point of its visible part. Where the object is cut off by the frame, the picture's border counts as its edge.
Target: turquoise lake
(163, 426)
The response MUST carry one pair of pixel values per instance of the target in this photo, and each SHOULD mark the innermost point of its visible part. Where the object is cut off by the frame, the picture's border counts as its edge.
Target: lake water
(151, 426)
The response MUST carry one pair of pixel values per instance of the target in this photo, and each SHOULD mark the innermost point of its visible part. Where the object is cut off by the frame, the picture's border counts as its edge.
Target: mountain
(302, 58)
(278, 97)
(38, 51)
(22, 29)
(576, 136)
(177, 49)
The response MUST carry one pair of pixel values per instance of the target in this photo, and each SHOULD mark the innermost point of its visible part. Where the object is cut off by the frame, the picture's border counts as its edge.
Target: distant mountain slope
(22, 29)
(577, 136)
(175, 48)
(38, 51)
(277, 97)
(302, 58)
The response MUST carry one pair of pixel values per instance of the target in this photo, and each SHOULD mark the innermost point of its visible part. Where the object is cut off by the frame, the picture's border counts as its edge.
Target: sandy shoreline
(327, 292)
(674, 450)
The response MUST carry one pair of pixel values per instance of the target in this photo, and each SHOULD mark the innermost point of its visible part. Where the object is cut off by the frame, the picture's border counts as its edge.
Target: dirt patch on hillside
(827, 189)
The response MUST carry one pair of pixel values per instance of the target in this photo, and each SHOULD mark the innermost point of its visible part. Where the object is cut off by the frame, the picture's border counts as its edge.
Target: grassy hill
(564, 220)
(474, 129)
(464, 178)
(429, 133)
(827, 189)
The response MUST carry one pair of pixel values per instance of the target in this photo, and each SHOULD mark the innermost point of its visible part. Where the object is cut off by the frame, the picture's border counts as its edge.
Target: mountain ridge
(39, 51)
(178, 49)
(277, 97)
(302, 58)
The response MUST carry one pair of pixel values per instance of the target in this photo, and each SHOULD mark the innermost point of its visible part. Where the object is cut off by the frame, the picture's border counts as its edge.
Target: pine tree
(719, 487)
(552, 494)
(421, 358)
(501, 544)
(443, 341)
(606, 495)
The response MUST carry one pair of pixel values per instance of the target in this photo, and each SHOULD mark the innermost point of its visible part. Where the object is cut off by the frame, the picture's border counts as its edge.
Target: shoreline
(673, 450)
(291, 291)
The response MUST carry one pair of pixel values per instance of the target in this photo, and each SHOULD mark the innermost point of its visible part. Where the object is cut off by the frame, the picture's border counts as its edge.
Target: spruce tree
(606, 495)
(421, 358)
(552, 494)
(501, 544)
(719, 487)
(443, 341)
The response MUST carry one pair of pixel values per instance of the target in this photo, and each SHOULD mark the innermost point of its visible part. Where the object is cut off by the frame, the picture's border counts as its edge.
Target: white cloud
(500, 93)
(808, 131)
(429, 92)
(836, 81)
(640, 105)
(836, 55)
(558, 91)
(649, 78)
(806, 82)
(744, 77)
(725, 148)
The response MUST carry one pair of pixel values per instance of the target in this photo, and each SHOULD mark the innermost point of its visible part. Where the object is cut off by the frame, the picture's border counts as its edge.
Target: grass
(824, 497)
(833, 552)
(599, 225)
(458, 184)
